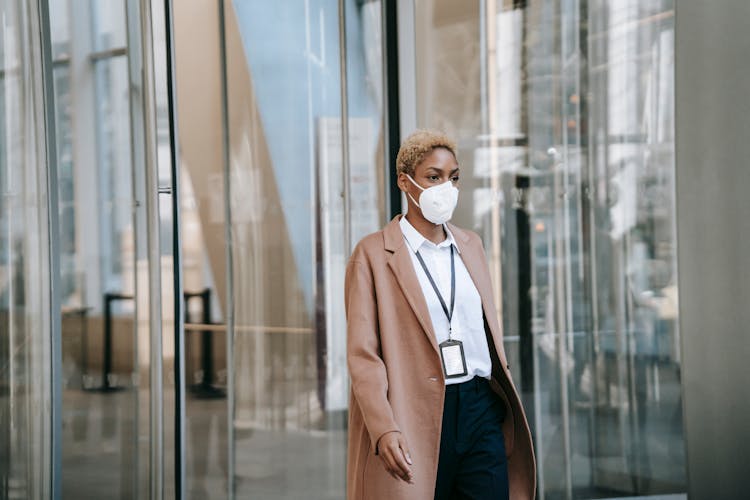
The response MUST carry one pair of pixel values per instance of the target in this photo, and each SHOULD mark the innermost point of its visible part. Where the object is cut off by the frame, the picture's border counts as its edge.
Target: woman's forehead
(439, 159)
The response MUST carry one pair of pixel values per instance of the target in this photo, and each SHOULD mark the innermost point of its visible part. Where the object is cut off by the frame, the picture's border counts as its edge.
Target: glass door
(89, 248)
(563, 111)
(282, 165)
(26, 253)
(114, 232)
(97, 241)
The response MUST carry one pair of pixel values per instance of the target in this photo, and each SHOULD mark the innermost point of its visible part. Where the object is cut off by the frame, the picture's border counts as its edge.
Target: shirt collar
(415, 239)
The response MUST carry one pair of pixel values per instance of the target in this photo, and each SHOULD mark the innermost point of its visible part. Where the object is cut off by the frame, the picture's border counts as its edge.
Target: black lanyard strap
(448, 312)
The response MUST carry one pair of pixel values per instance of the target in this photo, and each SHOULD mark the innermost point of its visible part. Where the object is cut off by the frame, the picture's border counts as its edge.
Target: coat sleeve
(364, 358)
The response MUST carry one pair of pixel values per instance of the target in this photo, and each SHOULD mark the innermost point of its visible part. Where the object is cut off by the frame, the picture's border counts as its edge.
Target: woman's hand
(394, 452)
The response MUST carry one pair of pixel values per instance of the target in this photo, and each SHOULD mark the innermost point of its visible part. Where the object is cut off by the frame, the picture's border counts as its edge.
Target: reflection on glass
(287, 71)
(108, 30)
(280, 292)
(92, 121)
(25, 322)
(284, 91)
(564, 116)
(204, 252)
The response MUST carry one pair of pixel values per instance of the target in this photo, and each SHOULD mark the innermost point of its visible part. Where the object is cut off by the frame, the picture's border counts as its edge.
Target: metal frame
(50, 146)
(143, 160)
(109, 53)
(407, 67)
(391, 115)
(344, 97)
(151, 201)
(407, 82)
(229, 255)
(179, 320)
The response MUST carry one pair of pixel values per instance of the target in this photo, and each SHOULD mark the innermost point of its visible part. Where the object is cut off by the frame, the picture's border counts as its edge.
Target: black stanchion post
(107, 384)
(205, 388)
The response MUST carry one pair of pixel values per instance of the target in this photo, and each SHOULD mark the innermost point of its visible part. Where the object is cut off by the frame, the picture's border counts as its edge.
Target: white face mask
(437, 202)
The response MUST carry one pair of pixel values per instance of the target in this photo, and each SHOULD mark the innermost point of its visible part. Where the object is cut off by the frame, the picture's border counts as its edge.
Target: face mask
(437, 202)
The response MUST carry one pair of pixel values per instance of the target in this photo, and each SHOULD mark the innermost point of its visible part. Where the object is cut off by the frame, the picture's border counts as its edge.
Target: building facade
(183, 181)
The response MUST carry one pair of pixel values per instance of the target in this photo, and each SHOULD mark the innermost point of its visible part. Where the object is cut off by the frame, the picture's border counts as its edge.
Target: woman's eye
(454, 178)
(434, 178)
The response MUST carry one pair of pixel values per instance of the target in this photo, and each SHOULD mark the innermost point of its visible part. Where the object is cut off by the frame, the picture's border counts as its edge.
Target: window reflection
(95, 206)
(564, 116)
(25, 291)
(291, 383)
(265, 237)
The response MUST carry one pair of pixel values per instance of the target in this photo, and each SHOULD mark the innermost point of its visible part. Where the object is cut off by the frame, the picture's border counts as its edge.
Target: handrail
(220, 327)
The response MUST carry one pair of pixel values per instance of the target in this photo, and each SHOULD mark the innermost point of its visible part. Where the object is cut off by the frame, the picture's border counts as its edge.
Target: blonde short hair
(419, 144)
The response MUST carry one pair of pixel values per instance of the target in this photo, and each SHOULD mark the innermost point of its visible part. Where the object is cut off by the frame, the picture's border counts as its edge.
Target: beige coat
(397, 377)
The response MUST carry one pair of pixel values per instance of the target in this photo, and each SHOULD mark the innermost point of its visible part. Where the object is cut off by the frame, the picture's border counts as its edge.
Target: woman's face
(437, 168)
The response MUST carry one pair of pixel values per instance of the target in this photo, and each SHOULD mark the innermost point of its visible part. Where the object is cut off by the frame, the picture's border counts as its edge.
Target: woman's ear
(403, 182)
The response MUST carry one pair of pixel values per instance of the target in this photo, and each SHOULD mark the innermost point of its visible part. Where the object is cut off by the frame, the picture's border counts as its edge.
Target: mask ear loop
(409, 194)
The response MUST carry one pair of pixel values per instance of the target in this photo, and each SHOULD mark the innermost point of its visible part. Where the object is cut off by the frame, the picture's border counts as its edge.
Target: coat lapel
(403, 269)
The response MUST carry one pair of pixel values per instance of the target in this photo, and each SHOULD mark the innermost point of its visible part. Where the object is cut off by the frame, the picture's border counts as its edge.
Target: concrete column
(712, 106)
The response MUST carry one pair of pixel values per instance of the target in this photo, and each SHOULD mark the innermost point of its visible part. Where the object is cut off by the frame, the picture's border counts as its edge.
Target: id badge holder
(454, 361)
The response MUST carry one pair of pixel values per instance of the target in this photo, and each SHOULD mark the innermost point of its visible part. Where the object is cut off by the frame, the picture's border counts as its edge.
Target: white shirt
(467, 320)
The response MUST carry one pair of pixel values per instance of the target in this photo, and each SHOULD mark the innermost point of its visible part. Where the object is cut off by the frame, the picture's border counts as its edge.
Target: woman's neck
(433, 232)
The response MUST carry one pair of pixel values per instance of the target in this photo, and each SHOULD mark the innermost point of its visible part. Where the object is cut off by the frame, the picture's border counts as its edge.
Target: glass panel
(108, 24)
(284, 387)
(59, 12)
(25, 322)
(97, 264)
(563, 111)
(284, 90)
(204, 251)
(365, 100)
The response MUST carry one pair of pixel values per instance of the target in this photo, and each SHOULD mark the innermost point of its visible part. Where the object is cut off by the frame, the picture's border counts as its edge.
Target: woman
(433, 411)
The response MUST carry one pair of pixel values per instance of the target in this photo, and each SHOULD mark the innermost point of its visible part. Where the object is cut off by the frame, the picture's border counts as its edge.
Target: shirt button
(434, 379)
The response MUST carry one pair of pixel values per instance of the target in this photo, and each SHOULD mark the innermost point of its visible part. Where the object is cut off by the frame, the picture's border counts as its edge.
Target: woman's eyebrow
(440, 170)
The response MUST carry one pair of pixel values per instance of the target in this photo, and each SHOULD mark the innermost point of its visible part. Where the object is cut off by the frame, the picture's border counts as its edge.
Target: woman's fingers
(405, 449)
(398, 460)
(393, 474)
(394, 457)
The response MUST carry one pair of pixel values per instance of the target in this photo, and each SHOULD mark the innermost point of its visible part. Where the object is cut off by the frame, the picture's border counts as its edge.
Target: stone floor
(103, 459)
(105, 455)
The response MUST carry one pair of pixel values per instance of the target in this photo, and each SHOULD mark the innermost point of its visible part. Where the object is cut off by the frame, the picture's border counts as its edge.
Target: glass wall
(563, 111)
(238, 254)
(75, 373)
(25, 246)
(96, 231)
(282, 167)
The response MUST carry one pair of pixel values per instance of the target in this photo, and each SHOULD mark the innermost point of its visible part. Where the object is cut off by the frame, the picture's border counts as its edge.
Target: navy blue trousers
(472, 462)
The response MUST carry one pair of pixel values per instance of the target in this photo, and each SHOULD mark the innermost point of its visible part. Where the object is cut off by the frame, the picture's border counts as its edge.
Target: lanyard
(448, 312)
